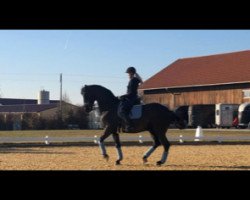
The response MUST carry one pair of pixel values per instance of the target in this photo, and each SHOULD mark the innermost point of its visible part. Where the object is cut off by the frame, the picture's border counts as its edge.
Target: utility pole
(61, 95)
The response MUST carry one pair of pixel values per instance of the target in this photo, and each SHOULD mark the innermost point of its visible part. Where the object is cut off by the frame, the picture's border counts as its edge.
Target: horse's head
(181, 114)
(104, 97)
(88, 98)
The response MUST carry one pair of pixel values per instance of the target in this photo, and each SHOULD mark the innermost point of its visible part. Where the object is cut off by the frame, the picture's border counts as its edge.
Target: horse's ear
(83, 89)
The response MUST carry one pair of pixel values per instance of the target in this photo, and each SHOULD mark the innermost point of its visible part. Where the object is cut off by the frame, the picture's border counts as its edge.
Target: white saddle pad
(136, 112)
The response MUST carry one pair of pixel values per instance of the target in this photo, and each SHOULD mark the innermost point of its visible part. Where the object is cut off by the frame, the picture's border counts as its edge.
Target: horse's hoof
(106, 157)
(145, 160)
(159, 163)
(118, 162)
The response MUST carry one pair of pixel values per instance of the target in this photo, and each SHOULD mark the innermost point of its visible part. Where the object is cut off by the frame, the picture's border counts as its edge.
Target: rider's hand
(121, 97)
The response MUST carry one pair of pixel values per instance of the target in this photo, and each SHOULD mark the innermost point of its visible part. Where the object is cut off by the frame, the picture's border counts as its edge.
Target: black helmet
(131, 70)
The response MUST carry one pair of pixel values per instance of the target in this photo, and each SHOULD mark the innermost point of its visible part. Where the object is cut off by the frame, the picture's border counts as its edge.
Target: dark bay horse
(156, 119)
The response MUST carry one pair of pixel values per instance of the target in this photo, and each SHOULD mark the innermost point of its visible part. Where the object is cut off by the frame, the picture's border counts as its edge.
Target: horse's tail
(177, 120)
(174, 117)
(171, 116)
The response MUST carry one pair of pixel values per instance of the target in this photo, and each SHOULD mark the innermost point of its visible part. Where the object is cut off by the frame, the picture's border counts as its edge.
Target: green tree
(2, 123)
(9, 122)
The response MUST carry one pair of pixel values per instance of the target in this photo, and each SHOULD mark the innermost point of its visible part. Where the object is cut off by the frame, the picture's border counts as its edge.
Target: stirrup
(129, 129)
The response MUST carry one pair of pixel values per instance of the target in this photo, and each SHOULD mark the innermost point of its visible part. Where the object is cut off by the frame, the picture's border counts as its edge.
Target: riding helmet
(131, 70)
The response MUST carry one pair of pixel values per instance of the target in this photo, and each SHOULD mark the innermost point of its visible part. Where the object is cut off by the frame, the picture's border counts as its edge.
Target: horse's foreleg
(118, 148)
(103, 150)
(148, 153)
(101, 143)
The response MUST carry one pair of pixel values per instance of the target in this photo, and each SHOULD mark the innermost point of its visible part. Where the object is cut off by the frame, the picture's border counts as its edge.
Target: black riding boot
(129, 126)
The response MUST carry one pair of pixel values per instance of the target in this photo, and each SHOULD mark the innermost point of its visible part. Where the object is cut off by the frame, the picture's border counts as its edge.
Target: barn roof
(217, 69)
(27, 108)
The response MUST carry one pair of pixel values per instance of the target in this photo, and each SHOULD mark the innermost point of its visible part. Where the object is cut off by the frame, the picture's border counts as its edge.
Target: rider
(129, 99)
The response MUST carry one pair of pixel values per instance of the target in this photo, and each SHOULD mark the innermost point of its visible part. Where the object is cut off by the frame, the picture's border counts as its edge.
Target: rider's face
(130, 75)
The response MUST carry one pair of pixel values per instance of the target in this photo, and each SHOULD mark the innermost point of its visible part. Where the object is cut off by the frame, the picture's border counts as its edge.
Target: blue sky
(31, 60)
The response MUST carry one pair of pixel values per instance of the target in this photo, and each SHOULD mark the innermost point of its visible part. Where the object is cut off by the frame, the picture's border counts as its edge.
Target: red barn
(221, 78)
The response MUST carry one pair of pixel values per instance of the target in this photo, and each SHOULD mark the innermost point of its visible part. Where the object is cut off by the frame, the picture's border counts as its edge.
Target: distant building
(11, 101)
(46, 111)
(44, 108)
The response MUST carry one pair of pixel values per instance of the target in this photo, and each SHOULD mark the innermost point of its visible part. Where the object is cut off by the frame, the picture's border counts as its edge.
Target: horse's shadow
(184, 167)
(240, 167)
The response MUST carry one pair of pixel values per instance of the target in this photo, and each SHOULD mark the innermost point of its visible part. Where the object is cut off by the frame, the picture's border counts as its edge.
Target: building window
(246, 93)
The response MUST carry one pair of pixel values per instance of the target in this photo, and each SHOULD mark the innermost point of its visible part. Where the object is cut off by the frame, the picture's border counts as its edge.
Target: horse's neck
(107, 104)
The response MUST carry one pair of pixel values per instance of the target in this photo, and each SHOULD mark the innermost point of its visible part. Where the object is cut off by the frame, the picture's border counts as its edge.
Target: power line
(66, 80)
(28, 74)
(91, 75)
(27, 80)
(65, 74)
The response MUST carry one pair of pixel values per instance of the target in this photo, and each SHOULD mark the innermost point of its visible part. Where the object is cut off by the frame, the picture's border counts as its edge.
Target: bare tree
(66, 98)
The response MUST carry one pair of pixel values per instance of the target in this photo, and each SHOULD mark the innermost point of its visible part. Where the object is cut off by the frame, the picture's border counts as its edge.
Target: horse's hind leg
(156, 143)
(166, 145)
(118, 148)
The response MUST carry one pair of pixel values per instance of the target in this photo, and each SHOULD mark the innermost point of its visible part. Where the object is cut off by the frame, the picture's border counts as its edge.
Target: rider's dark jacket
(132, 89)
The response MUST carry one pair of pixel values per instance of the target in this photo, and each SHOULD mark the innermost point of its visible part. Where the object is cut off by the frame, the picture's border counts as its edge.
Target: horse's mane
(103, 89)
